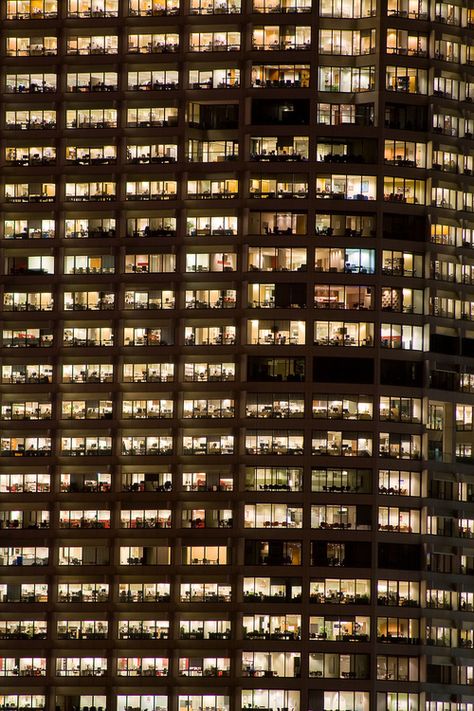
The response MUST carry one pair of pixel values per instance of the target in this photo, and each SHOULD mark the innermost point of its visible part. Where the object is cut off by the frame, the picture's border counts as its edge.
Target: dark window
(274, 552)
(445, 380)
(444, 344)
(343, 370)
(280, 112)
(400, 556)
(406, 117)
(438, 674)
(394, 372)
(348, 554)
(216, 116)
(263, 369)
(467, 347)
(411, 227)
(287, 295)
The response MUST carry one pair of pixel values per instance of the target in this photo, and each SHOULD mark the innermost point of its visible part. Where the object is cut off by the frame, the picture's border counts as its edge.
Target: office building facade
(237, 355)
